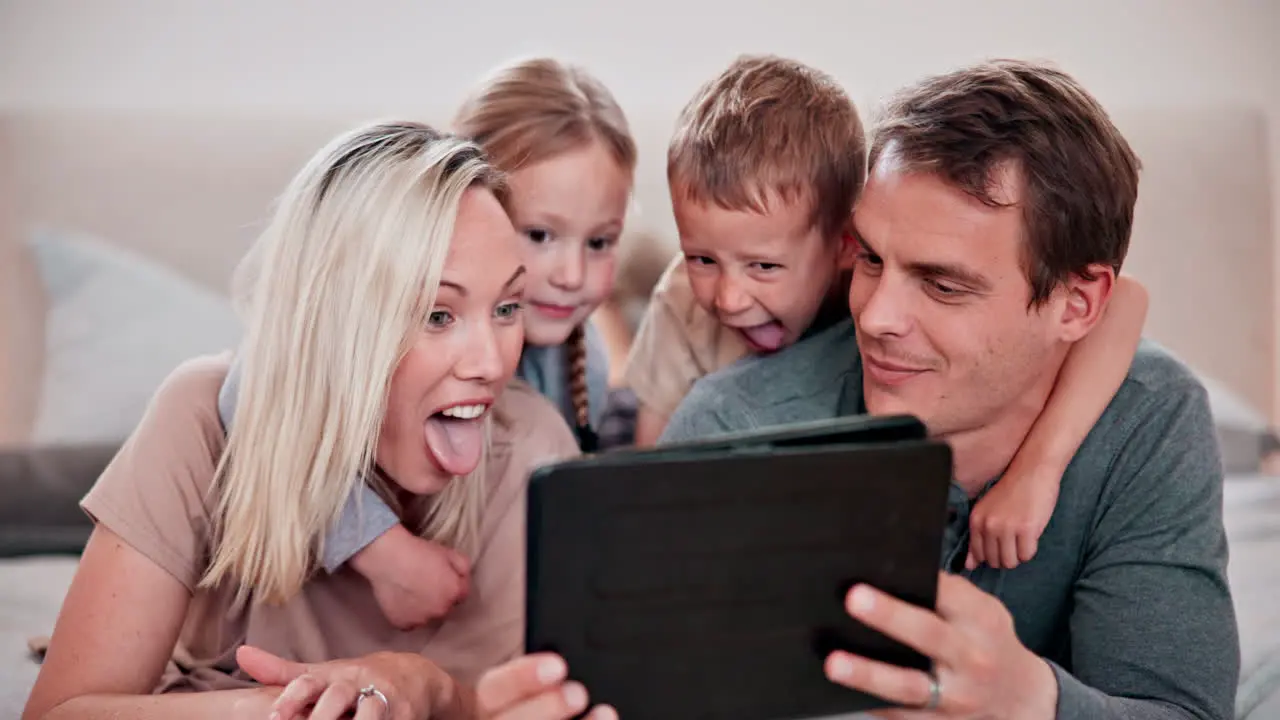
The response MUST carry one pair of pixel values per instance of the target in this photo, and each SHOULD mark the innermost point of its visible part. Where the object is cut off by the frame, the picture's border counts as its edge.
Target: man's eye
(538, 235)
(944, 289)
(440, 318)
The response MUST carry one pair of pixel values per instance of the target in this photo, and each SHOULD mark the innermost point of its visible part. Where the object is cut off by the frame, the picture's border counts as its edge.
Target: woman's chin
(431, 482)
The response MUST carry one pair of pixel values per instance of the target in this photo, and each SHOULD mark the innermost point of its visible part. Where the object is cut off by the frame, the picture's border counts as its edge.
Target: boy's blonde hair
(534, 109)
(770, 127)
(334, 293)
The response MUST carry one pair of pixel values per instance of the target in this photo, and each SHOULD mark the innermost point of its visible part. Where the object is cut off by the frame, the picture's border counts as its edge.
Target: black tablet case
(706, 580)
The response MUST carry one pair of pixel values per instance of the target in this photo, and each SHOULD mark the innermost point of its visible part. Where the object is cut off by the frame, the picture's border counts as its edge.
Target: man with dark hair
(992, 227)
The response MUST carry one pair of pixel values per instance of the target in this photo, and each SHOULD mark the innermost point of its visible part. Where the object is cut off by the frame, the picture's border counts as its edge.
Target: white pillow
(118, 324)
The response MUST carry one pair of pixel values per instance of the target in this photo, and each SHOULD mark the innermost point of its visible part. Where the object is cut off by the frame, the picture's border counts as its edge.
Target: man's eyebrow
(952, 271)
(857, 236)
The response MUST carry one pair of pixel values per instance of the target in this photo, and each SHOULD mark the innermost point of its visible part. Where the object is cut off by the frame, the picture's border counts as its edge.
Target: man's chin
(881, 402)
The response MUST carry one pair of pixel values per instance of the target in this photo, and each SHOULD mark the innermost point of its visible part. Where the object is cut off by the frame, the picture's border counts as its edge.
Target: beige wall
(390, 56)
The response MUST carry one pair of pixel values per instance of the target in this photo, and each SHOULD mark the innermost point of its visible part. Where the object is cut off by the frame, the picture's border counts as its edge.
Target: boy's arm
(649, 426)
(1007, 522)
(661, 366)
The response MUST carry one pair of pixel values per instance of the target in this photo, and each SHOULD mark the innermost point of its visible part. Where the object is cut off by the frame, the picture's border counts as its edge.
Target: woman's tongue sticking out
(455, 443)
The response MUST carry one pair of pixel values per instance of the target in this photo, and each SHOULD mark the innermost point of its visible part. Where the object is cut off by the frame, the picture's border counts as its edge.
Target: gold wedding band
(372, 691)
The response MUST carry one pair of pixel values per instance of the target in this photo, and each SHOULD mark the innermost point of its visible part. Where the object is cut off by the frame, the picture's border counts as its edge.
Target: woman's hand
(409, 682)
(534, 688)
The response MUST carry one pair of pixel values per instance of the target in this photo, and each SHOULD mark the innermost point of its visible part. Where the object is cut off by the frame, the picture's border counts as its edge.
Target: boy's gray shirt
(1127, 597)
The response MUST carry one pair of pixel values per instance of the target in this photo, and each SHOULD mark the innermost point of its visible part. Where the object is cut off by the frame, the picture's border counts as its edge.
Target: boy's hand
(1006, 524)
(415, 581)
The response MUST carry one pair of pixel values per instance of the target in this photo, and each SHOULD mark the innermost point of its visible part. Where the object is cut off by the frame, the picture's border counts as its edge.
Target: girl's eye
(538, 235)
(600, 243)
(507, 311)
(440, 318)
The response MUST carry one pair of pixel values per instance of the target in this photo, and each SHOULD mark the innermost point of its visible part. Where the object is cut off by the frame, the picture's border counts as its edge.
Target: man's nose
(886, 309)
(570, 266)
(730, 297)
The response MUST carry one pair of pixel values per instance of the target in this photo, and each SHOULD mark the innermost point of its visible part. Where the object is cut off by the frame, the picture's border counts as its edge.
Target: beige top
(155, 495)
(677, 343)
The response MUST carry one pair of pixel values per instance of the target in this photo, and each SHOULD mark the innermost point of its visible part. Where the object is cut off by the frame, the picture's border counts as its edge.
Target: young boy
(764, 169)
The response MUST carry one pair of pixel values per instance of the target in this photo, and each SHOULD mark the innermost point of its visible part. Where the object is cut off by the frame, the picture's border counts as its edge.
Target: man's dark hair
(1079, 175)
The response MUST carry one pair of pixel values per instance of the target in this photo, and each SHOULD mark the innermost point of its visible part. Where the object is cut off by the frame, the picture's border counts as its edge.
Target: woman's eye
(440, 318)
(507, 311)
(865, 257)
(538, 235)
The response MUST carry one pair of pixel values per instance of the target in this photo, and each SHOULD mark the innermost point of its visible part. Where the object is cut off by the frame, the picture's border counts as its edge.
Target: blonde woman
(382, 327)
(566, 147)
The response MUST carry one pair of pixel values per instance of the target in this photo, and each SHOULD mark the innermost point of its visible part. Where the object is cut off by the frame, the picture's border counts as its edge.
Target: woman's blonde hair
(333, 294)
(531, 110)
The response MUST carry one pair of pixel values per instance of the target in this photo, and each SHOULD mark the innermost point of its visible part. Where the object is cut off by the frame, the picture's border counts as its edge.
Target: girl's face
(570, 208)
(468, 349)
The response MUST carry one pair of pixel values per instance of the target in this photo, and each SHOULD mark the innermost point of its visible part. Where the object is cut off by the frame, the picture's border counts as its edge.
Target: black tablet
(707, 580)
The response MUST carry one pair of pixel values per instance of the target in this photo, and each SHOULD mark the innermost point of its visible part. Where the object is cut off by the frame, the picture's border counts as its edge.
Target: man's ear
(1085, 300)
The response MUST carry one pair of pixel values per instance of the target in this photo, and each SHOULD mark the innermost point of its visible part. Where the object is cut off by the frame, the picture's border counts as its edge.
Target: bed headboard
(189, 191)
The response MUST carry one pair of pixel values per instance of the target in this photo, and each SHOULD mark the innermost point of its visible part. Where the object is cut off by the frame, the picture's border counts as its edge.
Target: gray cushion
(40, 492)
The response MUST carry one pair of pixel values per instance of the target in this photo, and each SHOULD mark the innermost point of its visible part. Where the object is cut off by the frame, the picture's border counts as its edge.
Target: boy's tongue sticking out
(766, 337)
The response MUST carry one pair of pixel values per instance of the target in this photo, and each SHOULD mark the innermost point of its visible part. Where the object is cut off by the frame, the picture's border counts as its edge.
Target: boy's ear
(848, 248)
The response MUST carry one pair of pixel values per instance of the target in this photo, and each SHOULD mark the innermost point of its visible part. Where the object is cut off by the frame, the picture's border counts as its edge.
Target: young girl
(569, 158)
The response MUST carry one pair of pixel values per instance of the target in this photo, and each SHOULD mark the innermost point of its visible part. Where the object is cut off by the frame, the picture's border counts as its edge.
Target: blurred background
(142, 141)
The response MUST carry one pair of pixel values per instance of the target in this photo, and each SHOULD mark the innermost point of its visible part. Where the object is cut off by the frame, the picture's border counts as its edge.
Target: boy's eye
(440, 318)
(538, 235)
(508, 310)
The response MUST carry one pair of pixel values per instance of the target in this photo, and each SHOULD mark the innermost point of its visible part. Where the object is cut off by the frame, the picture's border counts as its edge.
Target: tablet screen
(711, 585)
